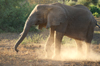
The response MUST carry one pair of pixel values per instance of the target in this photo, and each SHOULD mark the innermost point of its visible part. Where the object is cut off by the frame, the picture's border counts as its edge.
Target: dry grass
(33, 54)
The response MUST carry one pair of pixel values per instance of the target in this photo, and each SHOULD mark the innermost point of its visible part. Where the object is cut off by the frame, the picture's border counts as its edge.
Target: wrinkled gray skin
(76, 22)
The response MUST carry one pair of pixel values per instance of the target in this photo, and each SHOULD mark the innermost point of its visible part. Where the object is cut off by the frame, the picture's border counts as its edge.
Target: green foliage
(98, 4)
(95, 11)
(87, 2)
(13, 14)
(96, 14)
(84, 2)
(71, 3)
(94, 2)
(44, 1)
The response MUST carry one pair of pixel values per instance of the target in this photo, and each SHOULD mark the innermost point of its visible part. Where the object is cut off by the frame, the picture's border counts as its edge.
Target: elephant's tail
(98, 25)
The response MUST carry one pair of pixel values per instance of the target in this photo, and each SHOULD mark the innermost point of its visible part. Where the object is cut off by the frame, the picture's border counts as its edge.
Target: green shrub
(98, 4)
(96, 14)
(94, 9)
(84, 2)
(13, 15)
(94, 2)
(71, 3)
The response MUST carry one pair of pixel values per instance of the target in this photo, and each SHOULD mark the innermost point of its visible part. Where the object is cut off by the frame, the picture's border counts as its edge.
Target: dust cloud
(72, 54)
(69, 52)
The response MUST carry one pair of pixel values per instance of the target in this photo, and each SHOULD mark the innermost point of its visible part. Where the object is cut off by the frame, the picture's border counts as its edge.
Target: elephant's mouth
(42, 25)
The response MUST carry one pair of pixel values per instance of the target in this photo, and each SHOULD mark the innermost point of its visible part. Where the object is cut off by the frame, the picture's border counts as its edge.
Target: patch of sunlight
(96, 31)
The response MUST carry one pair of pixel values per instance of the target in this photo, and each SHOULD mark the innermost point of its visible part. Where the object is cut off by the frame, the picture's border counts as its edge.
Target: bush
(84, 2)
(71, 3)
(95, 11)
(13, 15)
(96, 14)
(95, 2)
(98, 3)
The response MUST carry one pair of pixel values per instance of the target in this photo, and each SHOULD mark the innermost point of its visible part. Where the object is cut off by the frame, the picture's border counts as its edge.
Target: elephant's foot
(80, 51)
(49, 54)
(56, 57)
(87, 53)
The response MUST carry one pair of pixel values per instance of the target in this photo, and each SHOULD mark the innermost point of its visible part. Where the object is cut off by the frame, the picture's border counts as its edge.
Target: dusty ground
(34, 55)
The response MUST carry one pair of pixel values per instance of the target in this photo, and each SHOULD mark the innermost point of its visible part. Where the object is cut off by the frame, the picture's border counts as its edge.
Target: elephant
(76, 22)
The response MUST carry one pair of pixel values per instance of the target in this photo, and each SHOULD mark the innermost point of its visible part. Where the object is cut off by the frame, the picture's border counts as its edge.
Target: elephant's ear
(56, 17)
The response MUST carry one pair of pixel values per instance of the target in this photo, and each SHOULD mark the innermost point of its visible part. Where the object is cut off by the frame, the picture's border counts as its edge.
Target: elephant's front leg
(49, 43)
(58, 39)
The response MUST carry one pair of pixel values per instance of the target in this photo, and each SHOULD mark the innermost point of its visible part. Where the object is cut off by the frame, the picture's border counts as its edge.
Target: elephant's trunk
(23, 35)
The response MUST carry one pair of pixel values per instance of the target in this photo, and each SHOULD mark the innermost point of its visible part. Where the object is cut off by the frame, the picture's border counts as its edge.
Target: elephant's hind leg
(89, 38)
(49, 43)
(79, 46)
(88, 43)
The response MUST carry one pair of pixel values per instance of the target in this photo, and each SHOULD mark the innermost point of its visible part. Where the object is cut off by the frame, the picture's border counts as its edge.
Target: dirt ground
(34, 55)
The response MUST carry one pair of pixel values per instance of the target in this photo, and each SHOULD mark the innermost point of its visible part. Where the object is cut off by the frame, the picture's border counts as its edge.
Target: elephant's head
(43, 15)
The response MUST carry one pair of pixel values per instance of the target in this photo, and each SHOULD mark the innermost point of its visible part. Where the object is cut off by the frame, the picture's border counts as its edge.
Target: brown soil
(34, 55)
